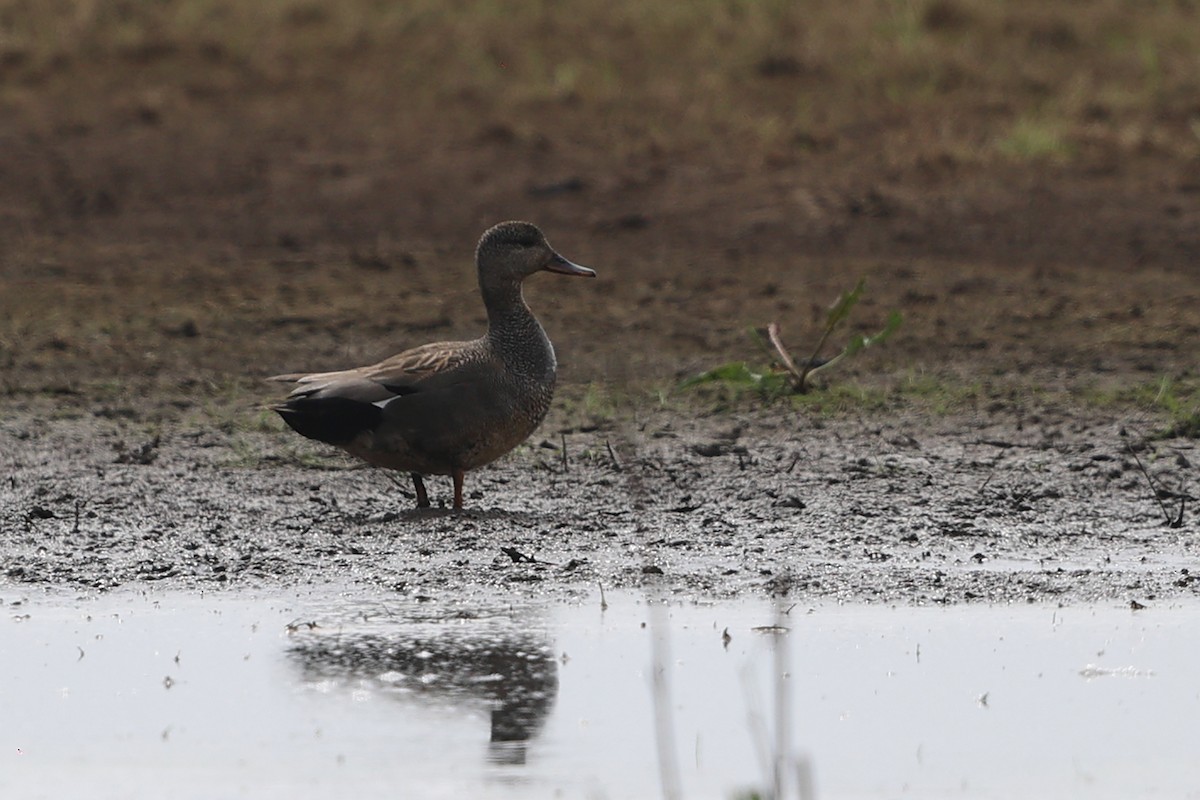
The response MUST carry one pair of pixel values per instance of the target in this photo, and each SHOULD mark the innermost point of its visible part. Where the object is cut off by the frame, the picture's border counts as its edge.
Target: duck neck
(514, 332)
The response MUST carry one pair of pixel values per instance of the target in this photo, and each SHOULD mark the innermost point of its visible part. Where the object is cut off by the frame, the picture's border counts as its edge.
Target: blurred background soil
(195, 194)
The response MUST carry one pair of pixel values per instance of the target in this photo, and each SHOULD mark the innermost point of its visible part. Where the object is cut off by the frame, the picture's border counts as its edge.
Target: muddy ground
(1051, 507)
(194, 196)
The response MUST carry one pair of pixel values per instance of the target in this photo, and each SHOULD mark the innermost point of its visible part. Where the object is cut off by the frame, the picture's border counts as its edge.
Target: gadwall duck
(448, 407)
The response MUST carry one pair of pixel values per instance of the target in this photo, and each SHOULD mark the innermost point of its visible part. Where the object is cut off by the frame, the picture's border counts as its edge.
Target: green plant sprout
(787, 375)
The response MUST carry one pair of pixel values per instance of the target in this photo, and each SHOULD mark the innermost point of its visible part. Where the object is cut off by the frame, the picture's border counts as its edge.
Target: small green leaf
(735, 372)
(844, 305)
(859, 341)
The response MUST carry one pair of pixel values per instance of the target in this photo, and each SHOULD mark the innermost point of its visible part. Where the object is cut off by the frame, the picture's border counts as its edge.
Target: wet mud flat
(1051, 506)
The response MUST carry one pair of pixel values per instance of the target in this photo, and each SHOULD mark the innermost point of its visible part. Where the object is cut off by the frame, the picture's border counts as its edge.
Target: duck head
(511, 251)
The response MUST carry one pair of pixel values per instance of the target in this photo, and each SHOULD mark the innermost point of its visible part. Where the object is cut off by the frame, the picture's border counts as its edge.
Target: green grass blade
(840, 310)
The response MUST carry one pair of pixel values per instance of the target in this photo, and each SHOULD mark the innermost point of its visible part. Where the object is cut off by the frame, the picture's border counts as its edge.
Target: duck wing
(414, 364)
(422, 362)
(335, 407)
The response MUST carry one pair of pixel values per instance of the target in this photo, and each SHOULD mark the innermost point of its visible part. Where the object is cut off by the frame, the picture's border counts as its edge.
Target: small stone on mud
(517, 556)
(791, 501)
(188, 329)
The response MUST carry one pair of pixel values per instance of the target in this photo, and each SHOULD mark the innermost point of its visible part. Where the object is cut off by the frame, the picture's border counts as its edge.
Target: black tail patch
(334, 420)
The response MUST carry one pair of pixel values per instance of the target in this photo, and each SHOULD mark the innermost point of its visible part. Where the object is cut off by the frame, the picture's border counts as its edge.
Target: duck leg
(457, 475)
(419, 485)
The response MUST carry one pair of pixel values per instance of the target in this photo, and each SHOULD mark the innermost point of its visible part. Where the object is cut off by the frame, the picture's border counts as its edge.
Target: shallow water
(324, 693)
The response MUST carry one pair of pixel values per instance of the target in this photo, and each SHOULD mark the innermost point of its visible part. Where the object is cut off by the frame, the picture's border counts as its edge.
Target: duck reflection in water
(512, 673)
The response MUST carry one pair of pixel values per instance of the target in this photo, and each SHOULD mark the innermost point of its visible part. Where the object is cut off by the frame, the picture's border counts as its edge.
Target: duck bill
(559, 264)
